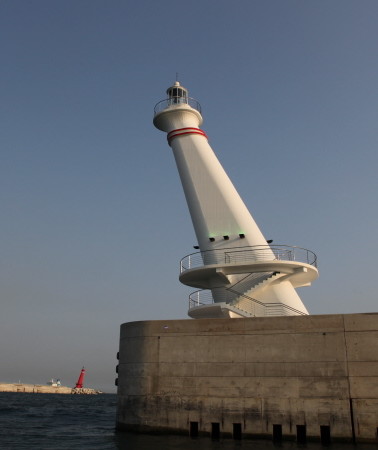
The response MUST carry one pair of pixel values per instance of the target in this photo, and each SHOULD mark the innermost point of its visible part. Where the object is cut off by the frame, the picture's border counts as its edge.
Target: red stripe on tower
(184, 131)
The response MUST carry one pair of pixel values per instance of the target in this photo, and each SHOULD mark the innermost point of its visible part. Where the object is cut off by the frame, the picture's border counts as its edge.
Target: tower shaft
(215, 206)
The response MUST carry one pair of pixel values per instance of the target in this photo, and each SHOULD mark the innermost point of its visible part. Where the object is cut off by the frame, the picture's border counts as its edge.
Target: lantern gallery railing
(176, 101)
(245, 255)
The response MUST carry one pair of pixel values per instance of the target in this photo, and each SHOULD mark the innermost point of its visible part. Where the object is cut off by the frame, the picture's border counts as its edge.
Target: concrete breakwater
(43, 389)
(298, 377)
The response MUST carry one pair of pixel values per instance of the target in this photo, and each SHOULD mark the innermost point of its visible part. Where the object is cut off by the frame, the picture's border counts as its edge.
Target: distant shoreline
(44, 389)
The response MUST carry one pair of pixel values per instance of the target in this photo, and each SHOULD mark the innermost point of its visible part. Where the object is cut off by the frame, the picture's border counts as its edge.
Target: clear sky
(93, 217)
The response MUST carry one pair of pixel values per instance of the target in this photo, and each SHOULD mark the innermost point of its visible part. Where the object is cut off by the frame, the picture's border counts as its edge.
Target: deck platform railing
(244, 303)
(245, 255)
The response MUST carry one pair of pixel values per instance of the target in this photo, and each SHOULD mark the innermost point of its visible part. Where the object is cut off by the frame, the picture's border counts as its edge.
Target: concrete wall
(34, 388)
(314, 371)
(44, 389)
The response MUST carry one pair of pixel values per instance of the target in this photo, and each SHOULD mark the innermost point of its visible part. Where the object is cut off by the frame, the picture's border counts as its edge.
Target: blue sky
(94, 220)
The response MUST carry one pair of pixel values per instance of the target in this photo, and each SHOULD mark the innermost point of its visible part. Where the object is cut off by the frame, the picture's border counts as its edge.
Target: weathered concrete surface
(34, 388)
(258, 372)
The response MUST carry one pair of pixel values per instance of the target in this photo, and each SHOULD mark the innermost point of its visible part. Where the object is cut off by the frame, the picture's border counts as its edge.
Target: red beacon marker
(80, 381)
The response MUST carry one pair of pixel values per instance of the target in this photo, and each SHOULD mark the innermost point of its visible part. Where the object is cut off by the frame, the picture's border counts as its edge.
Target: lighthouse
(80, 380)
(235, 271)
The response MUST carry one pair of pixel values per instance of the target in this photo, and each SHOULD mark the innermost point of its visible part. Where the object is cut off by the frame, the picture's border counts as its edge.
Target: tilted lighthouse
(237, 272)
(258, 377)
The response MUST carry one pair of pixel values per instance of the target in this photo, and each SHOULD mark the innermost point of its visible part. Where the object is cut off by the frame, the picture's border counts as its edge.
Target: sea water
(58, 421)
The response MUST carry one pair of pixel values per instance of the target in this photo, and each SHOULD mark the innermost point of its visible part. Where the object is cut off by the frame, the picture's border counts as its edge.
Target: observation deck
(201, 269)
(256, 267)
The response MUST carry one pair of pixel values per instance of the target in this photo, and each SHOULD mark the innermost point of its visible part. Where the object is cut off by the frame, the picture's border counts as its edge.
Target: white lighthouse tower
(237, 272)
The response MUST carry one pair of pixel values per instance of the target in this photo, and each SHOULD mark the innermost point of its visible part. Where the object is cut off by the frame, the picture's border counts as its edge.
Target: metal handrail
(248, 254)
(176, 101)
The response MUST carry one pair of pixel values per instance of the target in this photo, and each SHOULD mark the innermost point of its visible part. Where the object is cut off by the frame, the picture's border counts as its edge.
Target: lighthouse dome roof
(176, 90)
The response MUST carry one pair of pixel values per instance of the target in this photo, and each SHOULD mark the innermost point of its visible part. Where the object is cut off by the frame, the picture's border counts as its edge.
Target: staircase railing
(247, 304)
(251, 280)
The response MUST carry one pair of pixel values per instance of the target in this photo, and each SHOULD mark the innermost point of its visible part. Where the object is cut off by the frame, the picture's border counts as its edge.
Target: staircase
(243, 303)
